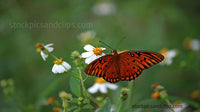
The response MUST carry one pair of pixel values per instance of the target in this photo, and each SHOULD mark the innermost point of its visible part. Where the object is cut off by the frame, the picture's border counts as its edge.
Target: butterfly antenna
(105, 44)
(120, 41)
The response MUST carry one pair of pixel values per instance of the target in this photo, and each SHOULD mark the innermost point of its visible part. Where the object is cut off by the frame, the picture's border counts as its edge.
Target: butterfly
(124, 66)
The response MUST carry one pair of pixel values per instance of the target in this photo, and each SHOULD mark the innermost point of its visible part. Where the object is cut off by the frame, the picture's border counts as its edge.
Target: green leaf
(74, 100)
(73, 107)
(76, 75)
(75, 86)
(88, 107)
(106, 107)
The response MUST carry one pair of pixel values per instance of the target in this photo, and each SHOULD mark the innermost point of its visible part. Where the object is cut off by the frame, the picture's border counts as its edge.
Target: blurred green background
(146, 24)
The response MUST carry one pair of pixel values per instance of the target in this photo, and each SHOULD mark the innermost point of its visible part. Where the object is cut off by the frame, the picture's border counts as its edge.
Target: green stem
(56, 58)
(85, 79)
(120, 105)
(64, 110)
(80, 108)
(170, 105)
(84, 93)
(130, 86)
(81, 83)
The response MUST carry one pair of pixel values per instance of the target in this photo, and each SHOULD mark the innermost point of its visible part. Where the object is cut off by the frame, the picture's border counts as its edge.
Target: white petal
(49, 45)
(61, 69)
(66, 65)
(103, 88)
(90, 59)
(88, 47)
(98, 56)
(94, 88)
(195, 45)
(104, 9)
(54, 68)
(171, 53)
(87, 54)
(50, 49)
(111, 86)
(44, 56)
(178, 108)
(113, 108)
(102, 48)
(169, 61)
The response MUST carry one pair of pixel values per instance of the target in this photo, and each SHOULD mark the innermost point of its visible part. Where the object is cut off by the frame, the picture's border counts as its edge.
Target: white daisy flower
(88, 35)
(60, 66)
(169, 55)
(113, 108)
(104, 8)
(177, 107)
(101, 85)
(92, 53)
(192, 44)
(44, 50)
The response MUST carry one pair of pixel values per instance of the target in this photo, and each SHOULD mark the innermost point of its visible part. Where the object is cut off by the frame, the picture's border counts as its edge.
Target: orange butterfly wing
(132, 63)
(124, 66)
(98, 66)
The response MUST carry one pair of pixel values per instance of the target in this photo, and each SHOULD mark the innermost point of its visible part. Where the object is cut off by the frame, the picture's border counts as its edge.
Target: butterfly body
(124, 66)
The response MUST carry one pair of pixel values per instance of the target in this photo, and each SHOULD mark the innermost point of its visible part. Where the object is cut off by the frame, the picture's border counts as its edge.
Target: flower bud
(10, 82)
(3, 83)
(163, 95)
(155, 95)
(155, 85)
(99, 99)
(80, 100)
(124, 94)
(65, 96)
(159, 88)
(75, 55)
(77, 58)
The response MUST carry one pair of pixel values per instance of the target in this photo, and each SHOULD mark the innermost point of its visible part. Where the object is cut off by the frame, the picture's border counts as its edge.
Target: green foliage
(106, 107)
(75, 86)
(147, 25)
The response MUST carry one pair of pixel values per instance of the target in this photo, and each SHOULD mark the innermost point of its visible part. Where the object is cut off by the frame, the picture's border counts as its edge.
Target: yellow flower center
(164, 51)
(58, 61)
(195, 94)
(187, 43)
(177, 103)
(97, 51)
(156, 95)
(38, 45)
(50, 100)
(100, 80)
(38, 50)
(56, 109)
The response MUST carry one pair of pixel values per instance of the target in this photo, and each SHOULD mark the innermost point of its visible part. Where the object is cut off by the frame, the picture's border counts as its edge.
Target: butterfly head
(115, 52)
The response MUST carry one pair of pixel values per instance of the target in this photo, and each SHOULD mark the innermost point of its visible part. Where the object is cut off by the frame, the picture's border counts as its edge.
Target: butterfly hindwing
(98, 66)
(112, 74)
(132, 63)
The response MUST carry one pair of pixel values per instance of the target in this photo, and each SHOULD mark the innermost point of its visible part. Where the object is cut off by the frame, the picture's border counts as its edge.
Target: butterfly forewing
(132, 63)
